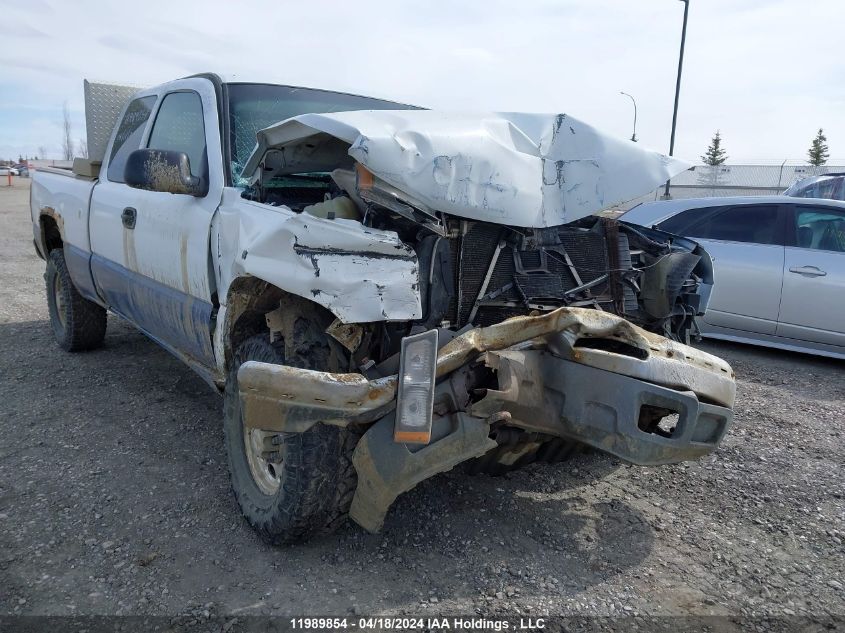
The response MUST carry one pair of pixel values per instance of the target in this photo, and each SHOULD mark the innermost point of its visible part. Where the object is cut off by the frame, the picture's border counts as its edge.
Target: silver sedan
(779, 267)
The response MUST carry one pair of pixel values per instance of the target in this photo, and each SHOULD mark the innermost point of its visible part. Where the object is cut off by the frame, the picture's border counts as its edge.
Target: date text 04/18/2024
(422, 623)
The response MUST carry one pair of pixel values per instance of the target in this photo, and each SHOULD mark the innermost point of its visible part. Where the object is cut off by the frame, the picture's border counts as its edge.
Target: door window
(828, 189)
(820, 228)
(179, 127)
(754, 223)
(679, 223)
(129, 133)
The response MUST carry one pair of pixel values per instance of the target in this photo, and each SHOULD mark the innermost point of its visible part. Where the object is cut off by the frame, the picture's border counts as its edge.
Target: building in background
(703, 181)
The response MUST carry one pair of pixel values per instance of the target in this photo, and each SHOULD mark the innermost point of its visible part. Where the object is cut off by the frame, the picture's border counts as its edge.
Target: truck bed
(61, 194)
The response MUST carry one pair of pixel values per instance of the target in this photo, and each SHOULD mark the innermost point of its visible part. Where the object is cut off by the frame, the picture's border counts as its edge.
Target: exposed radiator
(535, 270)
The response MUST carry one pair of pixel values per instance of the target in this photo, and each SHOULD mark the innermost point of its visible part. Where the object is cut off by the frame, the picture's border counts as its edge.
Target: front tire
(78, 324)
(290, 486)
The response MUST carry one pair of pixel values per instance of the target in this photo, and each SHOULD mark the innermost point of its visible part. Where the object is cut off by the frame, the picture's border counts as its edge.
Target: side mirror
(167, 171)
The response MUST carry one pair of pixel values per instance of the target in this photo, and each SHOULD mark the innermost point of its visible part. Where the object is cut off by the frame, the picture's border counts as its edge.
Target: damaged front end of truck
(489, 316)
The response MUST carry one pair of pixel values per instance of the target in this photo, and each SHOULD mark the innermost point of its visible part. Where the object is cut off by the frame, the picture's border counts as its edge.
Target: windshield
(253, 107)
(827, 187)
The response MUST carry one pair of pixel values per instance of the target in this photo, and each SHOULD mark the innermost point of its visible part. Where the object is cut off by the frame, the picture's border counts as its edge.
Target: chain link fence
(704, 181)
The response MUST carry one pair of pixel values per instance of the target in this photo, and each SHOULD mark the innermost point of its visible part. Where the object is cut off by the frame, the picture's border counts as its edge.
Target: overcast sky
(767, 73)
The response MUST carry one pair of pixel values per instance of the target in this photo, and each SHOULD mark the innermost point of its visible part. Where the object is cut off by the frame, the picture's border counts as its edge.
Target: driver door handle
(129, 216)
(808, 271)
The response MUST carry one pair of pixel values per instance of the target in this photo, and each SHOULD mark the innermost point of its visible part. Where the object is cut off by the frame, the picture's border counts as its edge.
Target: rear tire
(78, 324)
(292, 486)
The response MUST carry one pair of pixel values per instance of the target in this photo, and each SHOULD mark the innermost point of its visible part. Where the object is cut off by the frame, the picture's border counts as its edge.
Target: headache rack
(103, 105)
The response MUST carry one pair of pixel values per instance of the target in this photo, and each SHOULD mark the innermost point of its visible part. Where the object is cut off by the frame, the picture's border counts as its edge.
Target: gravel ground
(114, 499)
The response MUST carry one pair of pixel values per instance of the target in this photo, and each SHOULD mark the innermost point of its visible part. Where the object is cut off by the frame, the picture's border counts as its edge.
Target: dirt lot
(114, 499)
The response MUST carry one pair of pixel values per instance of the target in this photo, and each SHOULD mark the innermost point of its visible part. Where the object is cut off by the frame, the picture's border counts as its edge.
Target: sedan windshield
(827, 187)
(253, 107)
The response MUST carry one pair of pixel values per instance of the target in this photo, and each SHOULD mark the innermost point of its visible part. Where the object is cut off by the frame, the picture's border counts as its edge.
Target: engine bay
(476, 273)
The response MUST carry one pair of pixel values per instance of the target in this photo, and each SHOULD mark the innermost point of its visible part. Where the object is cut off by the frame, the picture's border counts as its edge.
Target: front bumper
(541, 392)
(292, 400)
(573, 373)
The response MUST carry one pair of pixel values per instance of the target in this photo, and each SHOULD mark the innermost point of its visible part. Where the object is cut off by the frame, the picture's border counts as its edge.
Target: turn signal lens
(364, 177)
(415, 397)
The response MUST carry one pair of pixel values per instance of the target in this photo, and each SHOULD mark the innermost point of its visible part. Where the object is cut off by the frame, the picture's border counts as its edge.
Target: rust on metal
(60, 221)
(349, 335)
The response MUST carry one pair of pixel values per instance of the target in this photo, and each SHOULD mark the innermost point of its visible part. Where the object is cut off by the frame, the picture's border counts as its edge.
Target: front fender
(359, 274)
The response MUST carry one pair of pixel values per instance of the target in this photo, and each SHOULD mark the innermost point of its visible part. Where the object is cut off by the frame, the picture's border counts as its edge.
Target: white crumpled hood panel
(528, 170)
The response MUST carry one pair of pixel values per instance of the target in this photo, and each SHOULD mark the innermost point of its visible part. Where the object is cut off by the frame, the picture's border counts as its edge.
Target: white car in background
(779, 267)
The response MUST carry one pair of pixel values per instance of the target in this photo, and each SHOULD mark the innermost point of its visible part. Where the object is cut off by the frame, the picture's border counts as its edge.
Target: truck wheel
(296, 485)
(78, 324)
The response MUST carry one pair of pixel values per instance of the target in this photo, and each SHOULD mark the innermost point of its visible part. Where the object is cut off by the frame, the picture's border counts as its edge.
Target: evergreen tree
(715, 154)
(818, 152)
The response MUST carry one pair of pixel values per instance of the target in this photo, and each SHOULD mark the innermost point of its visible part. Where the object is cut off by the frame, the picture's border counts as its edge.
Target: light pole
(634, 101)
(678, 88)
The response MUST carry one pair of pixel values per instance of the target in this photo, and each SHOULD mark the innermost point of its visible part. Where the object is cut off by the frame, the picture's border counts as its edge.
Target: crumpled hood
(527, 170)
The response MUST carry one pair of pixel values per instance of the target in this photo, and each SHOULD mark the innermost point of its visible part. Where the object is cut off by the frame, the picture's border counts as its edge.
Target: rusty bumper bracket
(292, 400)
(387, 469)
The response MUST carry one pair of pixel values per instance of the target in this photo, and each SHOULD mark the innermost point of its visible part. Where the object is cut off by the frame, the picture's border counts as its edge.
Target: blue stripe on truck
(79, 267)
(179, 322)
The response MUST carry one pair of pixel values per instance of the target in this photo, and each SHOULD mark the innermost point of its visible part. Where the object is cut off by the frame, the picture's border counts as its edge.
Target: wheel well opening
(248, 301)
(50, 234)
(249, 310)
(248, 324)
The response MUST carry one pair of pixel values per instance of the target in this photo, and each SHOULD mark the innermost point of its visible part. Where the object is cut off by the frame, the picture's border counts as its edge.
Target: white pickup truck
(383, 292)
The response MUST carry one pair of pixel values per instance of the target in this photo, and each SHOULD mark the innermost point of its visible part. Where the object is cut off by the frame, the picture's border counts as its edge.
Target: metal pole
(678, 87)
(634, 135)
(780, 173)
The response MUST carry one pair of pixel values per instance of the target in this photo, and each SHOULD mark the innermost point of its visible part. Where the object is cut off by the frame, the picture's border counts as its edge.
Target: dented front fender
(359, 274)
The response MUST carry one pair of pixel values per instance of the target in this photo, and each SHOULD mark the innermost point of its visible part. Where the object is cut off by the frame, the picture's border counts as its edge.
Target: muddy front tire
(78, 324)
(291, 486)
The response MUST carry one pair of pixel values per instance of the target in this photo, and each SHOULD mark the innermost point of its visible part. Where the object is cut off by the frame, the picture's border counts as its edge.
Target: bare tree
(82, 148)
(42, 152)
(67, 130)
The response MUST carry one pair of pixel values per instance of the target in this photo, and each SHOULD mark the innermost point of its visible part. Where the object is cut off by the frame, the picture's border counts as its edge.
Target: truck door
(151, 249)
